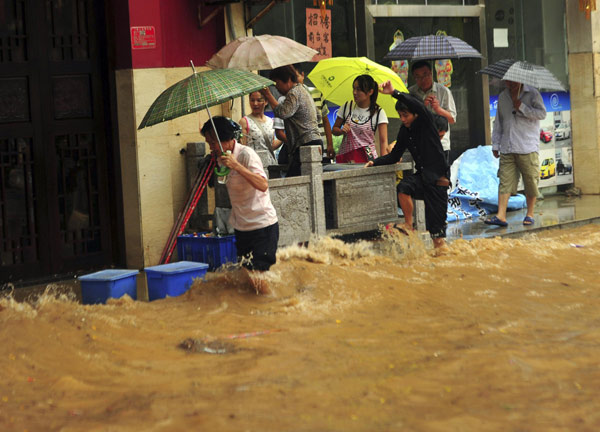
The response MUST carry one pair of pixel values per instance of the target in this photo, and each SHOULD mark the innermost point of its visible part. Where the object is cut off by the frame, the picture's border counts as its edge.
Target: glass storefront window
(535, 31)
(462, 79)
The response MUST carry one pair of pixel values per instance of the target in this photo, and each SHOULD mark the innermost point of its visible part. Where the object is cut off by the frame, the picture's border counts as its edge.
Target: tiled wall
(153, 167)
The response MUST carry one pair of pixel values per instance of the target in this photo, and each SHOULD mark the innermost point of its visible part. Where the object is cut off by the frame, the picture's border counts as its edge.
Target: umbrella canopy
(432, 47)
(525, 73)
(260, 53)
(334, 77)
(202, 90)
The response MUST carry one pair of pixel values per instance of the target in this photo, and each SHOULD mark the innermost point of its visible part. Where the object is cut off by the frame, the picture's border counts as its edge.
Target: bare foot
(440, 247)
(257, 283)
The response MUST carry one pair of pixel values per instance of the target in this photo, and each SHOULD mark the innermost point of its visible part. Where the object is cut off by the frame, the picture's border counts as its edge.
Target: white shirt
(518, 131)
(251, 209)
(444, 96)
(361, 115)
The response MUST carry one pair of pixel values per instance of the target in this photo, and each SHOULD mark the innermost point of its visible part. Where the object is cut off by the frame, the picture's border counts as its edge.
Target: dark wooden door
(53, 155)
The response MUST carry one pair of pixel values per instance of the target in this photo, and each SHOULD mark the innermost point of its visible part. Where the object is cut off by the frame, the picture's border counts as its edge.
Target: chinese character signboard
(318, 32)
(143, 37)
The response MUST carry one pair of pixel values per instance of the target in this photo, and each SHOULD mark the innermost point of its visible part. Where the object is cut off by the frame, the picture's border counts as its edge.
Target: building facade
(82, 188)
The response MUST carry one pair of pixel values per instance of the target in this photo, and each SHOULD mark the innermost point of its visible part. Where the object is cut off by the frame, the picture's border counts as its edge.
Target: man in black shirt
(419, 135)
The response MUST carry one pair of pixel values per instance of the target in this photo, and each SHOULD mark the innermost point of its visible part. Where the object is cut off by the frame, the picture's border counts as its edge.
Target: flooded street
(498, 335)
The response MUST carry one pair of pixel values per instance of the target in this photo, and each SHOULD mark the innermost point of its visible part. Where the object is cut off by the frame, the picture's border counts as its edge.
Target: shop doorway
(54, 211)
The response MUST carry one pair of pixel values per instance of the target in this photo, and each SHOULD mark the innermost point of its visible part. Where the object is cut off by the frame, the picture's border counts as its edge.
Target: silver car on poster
(563, 131)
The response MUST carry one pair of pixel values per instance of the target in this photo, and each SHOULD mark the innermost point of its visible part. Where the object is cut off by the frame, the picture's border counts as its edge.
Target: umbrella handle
(222, 171)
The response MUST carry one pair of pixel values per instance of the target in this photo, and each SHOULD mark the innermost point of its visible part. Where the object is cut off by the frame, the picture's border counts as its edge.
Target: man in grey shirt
(298, 113)
(436, 97)
(516, 141)
(322, 120)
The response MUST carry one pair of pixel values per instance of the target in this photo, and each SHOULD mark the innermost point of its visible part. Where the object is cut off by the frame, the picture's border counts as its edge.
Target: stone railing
(337, 201)
(330, 199)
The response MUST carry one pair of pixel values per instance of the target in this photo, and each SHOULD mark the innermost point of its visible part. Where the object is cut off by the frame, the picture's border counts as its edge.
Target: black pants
(260, 246)
(436, 202)
(283, 157)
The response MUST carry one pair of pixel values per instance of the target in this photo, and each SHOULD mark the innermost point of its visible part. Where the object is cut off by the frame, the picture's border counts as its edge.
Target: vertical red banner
(318, 32)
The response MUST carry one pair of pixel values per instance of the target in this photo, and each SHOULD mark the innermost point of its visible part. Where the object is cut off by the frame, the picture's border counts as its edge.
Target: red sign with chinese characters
(318, 33)
(143, 37)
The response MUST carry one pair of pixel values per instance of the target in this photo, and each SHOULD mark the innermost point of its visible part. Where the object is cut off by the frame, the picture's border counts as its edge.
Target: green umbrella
(202, 90)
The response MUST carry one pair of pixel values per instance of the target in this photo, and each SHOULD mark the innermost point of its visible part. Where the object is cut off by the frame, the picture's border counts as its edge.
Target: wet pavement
(554, 211)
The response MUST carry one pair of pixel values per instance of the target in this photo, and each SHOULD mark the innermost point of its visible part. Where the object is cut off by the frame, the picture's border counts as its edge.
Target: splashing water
(498, 334)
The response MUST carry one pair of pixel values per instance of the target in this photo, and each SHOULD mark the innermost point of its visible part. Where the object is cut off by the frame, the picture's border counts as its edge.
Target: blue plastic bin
(172, 279)
(98, 287)
(214, 251)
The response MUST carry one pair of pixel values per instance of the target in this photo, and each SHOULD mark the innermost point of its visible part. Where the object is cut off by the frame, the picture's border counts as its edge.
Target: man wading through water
(252, 214)
(419, 135)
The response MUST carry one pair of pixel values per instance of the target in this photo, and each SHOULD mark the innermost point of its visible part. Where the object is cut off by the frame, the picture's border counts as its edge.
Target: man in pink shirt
(252, 214)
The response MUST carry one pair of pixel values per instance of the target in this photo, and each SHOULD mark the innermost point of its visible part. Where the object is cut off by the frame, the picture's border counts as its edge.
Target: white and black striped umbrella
(432, 47)
(525, 73)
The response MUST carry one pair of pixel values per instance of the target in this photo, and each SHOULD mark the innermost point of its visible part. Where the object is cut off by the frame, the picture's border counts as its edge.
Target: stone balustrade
(326, 199)
(343, 199)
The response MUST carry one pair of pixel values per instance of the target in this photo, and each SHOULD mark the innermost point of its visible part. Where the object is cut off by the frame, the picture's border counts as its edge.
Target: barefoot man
(419, 135)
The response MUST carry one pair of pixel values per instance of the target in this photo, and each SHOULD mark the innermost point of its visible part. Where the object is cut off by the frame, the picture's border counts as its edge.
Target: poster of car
(547, 162)
(556, 148)
(564, 165)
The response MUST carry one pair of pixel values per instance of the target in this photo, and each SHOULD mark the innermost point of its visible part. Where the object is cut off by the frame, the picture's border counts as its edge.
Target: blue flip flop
(528, 220)
(495, 221)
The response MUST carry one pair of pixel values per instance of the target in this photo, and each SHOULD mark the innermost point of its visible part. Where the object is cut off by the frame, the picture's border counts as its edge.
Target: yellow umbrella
(334, 77)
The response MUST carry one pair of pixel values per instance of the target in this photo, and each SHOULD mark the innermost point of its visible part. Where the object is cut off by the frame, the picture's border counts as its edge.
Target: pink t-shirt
(251, 209)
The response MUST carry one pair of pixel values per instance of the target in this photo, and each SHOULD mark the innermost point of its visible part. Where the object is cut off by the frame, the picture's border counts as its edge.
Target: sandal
(401, 229)
(495, 221)
(528, 220)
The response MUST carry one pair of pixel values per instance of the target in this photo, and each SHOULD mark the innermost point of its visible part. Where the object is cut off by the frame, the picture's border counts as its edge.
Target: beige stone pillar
(153, 167)
(583, 40)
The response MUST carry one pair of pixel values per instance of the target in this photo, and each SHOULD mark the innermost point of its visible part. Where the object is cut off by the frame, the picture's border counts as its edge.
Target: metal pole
(209, 116)
(215, 129)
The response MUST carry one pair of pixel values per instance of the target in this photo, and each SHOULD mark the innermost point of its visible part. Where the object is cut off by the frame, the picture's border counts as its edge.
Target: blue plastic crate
(100, 286)
(172, 279)
(214, 251)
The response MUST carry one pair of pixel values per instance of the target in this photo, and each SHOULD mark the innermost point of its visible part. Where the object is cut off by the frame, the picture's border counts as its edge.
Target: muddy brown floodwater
(498, 335)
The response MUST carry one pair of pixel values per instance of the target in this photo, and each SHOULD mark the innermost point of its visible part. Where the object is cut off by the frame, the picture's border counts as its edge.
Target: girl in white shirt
(358, 120)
